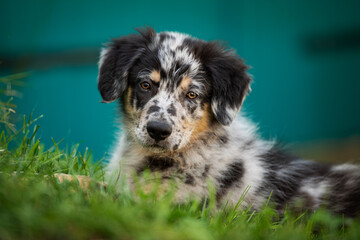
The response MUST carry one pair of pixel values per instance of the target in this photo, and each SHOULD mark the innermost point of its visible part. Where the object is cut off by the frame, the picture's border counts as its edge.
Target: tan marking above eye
(185, 82)
(155, 76)
(145, 85)
(191, 95)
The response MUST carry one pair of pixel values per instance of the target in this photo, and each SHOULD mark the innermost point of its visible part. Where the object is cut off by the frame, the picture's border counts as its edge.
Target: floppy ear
(230, 82)
(116, 61)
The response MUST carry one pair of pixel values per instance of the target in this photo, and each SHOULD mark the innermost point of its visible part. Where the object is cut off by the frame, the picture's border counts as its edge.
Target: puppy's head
(172, 87)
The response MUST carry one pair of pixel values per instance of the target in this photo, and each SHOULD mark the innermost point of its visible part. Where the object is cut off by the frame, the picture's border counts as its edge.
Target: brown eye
(145, 85)
(191, 95)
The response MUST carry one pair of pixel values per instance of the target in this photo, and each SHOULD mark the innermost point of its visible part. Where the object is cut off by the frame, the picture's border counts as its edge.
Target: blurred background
(305, 58)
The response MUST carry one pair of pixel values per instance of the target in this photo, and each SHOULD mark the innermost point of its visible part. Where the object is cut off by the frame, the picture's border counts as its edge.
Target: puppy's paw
(84, 181)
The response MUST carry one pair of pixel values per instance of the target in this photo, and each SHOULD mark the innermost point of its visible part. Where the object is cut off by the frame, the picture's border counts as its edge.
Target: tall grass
(35, 205)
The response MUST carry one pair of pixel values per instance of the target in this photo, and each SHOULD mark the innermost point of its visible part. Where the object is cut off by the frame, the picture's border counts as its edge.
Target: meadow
(36, 205)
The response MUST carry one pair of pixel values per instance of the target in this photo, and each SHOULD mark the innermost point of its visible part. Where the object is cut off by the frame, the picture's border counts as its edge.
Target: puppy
(180, 97)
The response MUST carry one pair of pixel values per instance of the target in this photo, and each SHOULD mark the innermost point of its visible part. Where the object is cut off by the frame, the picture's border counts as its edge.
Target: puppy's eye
(191, 95)
(145, 85)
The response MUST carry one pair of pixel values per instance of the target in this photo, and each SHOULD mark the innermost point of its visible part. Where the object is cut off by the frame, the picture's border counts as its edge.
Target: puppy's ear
(116, 61)
(230, 82)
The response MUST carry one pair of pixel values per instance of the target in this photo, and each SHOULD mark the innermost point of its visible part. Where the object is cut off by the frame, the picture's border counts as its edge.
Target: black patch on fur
(204, 141)
(180, 70)
(153, 109)
(176, 147)
(164, 36)
(163, 73)
(191, 108)
(233, 174)
(206, 170)
(189, 179)
(223, 139)
(171, 110)
(172, 53)
(156, 164)
(166, 177)
(174, 69)
(344, 192)
(285, 186)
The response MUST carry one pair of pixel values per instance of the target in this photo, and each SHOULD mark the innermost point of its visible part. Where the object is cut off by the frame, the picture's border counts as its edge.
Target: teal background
(305, 58)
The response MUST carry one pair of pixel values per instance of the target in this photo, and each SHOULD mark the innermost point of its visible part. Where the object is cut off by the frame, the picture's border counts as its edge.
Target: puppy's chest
(192, 169)
(191, 172)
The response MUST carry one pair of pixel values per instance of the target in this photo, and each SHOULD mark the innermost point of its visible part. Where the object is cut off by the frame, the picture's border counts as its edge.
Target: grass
(35, 205)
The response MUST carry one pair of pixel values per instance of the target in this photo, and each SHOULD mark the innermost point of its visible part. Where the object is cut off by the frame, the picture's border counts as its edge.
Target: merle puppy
(180, 97)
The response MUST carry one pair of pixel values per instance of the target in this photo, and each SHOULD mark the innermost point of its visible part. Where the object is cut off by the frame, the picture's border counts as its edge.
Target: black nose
(159, 130)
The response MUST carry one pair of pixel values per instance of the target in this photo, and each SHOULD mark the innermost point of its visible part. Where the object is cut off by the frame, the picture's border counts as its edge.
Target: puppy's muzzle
(159, 130)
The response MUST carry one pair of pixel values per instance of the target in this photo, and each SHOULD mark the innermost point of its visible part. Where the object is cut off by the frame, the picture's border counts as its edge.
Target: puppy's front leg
(84, 181)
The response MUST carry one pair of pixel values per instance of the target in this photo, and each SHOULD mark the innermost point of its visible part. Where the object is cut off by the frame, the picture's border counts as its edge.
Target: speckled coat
(180, 98)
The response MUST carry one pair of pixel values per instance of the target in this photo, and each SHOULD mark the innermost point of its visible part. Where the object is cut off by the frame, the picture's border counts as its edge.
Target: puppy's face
(172, 87)
(166, 109)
